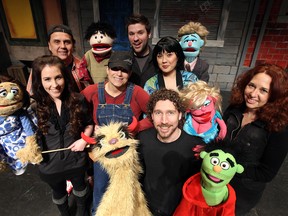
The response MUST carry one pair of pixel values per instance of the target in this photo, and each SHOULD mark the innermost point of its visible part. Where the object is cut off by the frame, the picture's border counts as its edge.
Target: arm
(271, 160)
(80, 144)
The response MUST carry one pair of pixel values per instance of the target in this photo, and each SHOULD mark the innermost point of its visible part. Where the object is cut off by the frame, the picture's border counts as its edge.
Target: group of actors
(166, 89)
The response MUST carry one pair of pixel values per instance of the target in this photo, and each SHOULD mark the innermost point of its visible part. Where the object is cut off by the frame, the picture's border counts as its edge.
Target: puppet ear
(202, 154)
(240, 168)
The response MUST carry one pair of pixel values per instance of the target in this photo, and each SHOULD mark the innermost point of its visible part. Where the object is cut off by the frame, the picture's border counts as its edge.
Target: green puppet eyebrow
(214, 154)
(230, 162)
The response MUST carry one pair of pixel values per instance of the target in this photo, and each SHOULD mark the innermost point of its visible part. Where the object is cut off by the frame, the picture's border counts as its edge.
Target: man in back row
(139, 32)
(61, 43)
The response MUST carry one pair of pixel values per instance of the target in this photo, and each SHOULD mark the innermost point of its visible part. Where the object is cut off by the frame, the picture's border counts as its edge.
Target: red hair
(275, 111)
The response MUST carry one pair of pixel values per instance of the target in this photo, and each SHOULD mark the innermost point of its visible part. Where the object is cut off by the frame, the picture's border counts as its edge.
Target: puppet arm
(31, 151)
(223, 128)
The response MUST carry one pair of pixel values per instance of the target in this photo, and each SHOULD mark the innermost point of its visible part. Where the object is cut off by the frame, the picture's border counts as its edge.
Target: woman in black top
(257, 127)
(62, 116)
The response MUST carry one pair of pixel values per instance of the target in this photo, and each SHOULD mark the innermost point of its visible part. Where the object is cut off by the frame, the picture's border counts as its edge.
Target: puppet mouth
(9, 104)
(101, 46)
(190, 49)
(117, 152)
(213, 178)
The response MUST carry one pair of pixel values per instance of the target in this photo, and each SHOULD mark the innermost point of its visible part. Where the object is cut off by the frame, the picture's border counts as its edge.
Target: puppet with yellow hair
(203, 114)
(192, 38)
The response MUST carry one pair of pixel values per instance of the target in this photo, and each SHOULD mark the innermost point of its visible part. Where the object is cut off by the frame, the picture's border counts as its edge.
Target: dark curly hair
(166, 94)
(169, 44)
(43, 99)
(104, 28)
(270, 113)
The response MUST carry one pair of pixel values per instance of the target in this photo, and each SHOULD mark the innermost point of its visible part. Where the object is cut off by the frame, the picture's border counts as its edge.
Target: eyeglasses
(119, 69)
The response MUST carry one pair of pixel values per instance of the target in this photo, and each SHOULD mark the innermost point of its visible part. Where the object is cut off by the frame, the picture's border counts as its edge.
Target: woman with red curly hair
(257, 127)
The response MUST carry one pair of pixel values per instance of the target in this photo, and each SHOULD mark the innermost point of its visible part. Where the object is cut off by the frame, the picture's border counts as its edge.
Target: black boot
(83, 207)
(62, 205)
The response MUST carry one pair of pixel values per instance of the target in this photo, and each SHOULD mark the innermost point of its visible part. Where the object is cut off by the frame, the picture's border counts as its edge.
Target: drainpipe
(261, 33)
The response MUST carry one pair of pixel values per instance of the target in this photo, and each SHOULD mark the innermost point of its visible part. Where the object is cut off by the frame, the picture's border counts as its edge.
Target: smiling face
(166, 118)
(61, 45)
(138, 38)
(167, 62)
(10, 98)
(256, 93)
(101, 43)
(53, 81)
(117, 77)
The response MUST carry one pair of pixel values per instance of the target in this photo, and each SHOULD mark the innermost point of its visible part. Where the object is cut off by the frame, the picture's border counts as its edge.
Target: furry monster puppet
(101, 37)
(203, 118)
(115, 149)
(18, 144)
(208, 192)
(192, 38)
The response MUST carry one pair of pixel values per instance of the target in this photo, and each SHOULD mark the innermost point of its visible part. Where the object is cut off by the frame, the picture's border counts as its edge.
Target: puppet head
(101, 37)
(192, 37)
(201, 100)
(115, 146)
(218, 168)
(13, 97)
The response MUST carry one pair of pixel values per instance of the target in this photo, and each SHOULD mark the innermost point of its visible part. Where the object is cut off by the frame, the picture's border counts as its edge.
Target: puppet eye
(225, 165)
(103, 142)
(122, 135)
(214, 161)
(14, 91)
(207, 103)
(3, 93)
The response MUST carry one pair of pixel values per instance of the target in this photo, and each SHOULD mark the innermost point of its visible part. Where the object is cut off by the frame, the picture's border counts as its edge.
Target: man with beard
(139, 32)
(166, 153)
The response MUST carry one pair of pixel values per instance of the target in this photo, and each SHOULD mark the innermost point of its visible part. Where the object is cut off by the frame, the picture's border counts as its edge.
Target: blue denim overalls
(105, 114)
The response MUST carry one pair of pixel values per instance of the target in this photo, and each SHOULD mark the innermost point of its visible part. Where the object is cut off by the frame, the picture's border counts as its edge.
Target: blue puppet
(192, 38)
(18, 144)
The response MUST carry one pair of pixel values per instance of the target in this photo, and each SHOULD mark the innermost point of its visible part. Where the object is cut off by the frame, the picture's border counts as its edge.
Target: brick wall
(274, 46)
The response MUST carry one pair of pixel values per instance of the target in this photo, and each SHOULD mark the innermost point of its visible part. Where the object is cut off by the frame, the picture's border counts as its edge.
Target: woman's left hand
(78, 145)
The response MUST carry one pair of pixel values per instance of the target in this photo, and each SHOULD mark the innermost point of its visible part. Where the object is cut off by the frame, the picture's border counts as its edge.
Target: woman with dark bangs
(168, 59)
(257, 127)
(62, 116)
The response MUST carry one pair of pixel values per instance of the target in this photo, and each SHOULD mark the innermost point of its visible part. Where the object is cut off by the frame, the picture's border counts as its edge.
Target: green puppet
(217, 170)
(209, 192)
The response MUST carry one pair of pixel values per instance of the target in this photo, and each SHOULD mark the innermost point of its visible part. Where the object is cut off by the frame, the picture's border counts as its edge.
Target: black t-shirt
(166, 167)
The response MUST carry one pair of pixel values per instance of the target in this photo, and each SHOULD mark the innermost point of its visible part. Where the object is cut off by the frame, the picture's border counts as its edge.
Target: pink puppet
(203, 115)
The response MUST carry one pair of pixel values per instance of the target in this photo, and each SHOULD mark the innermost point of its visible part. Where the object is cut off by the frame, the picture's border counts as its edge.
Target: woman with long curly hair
(62, 116)
(257, 127)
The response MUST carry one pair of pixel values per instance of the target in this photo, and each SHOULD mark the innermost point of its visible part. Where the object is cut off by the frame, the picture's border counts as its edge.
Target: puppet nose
(10, 96)
(190, 43)
(217, 168)
(113, 141)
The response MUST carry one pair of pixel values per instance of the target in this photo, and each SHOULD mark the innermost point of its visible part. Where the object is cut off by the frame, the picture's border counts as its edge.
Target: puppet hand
(3, 166)
(31, 152)
(198, 149)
